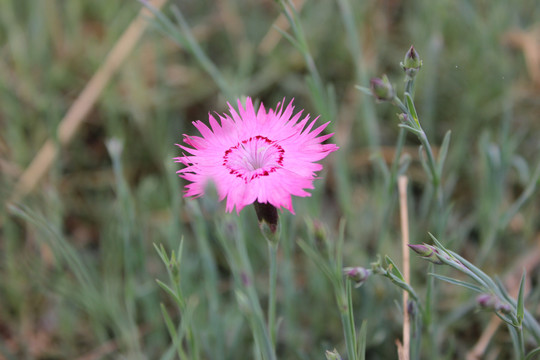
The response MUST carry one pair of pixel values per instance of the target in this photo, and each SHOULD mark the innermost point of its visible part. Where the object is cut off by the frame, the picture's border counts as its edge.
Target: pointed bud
(412, 62)
(357, 274)
(174, 266)
(319, 231)
(492, 302)
(504, 308)
(404, 118)
(486, 301)
(332, 355)
(382, 89)
(427, 252)
(268, 220)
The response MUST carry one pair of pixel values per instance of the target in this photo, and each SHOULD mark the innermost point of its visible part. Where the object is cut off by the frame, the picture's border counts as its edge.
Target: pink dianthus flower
(250, 156)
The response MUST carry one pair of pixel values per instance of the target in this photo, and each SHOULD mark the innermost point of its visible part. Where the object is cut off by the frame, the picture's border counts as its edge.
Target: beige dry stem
(84, 103)
(404, 216)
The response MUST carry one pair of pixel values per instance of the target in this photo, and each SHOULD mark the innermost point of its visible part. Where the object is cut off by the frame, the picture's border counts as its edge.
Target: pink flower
(264, 156)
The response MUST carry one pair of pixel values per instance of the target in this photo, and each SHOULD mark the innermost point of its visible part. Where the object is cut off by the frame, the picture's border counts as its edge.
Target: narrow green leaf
(177, 340)
(405, 162)
(394, 269)
(171, 292)
(364, 89)
(506, 319)
(339, 248)
(411, 129)
(458, 282)
(166, 25)
(473, 271)
(378, 160)
(162, 254)
(526, 195)
(351, 341)
(362, 336)
(443, 152)
(424, 162)
(533, 353)
(522, 168)
(520, 299)
(402, 284)
(439, 245)
(287, 36)
(317, 259)
(180, 251)
(410, 106)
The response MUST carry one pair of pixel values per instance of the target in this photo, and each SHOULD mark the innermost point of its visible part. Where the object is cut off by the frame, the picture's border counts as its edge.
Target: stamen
(254, 157)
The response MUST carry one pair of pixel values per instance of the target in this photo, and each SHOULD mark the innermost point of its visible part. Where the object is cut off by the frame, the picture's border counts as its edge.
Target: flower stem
(240, 263)
(422, 137)
(347, 320)
(521, 341)
(272, 254)
(397, 102)
(432, 163)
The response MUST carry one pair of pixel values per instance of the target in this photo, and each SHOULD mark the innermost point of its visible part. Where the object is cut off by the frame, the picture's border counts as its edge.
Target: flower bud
(174, 266)
(332, 355)
(504, 308)
(319, 231)
(357, 274)
(268, 220)
(427, 252)
(382, 89)
(412, 62)
(486, 301)
(404, 118)
(492, 302)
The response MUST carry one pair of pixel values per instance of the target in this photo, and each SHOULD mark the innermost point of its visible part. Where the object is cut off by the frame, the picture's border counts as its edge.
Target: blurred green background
(77, 263)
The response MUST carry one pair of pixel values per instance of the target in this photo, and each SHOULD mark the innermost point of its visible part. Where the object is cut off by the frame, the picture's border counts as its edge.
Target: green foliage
(78, 267)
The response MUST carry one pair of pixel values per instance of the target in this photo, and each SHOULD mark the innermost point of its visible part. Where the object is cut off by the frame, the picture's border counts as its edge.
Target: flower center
(254, 157)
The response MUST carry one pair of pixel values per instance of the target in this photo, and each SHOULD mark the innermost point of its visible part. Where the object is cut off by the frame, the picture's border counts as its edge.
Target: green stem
(400, 105)
(272, 252)
(409, 86)
(389, 204)
(431, 161)
(319, 93)
(416, 335)
(397, 155)
(260, 330)
(429, 315)
(521, 342)
(516, 333)
(347, 319)
(239, 261)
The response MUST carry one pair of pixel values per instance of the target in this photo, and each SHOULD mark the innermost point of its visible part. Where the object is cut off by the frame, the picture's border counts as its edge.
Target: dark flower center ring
(254, 157)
